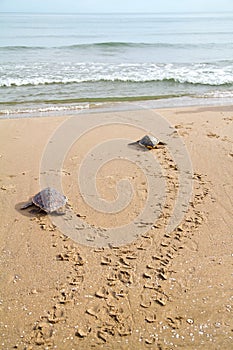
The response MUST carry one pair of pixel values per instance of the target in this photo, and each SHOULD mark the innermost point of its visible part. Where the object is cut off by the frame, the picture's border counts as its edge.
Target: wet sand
(164, 290)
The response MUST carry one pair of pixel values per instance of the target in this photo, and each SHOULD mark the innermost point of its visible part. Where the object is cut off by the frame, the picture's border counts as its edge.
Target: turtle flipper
(28, 204)
(133, 143)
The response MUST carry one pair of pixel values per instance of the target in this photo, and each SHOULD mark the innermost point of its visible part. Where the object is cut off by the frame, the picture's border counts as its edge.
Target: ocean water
(68, 62)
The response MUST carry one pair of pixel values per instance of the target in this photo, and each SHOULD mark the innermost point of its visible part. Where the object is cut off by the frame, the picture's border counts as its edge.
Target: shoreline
(162, 289)
(97, 106)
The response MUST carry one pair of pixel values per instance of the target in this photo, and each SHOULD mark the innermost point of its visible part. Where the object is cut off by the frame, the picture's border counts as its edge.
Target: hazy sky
(77, 6)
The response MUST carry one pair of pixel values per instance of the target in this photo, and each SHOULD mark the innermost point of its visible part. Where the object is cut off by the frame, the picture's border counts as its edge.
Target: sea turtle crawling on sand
(149, 142)
(48, 200)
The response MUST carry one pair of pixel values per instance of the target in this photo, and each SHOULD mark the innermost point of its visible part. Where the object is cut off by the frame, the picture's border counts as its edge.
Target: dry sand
(162, 291)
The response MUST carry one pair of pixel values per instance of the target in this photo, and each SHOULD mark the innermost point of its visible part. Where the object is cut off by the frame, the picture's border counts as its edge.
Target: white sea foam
(218, 94)
(44, 110)
(205, 74)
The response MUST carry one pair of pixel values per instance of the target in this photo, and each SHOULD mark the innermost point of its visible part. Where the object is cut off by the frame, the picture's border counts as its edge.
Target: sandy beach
(162, 290)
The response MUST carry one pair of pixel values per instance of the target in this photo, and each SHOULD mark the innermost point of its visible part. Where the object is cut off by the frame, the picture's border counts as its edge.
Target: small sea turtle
(149, 142)
(48, 200)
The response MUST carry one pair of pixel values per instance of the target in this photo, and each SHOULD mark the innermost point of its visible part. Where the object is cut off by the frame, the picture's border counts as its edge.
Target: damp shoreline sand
(166, 290)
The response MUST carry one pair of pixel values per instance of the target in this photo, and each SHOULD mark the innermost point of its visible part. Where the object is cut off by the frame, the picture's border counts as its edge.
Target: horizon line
(117, 12)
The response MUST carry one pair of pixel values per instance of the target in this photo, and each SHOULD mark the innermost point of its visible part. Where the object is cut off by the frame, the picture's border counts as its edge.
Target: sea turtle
(149, 142)
(48, 200)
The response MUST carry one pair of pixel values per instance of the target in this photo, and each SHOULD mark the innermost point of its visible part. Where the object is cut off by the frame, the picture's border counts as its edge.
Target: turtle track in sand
(96, 304)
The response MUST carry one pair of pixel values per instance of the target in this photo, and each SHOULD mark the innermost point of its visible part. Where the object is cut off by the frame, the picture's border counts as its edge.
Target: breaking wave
(204, 74)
